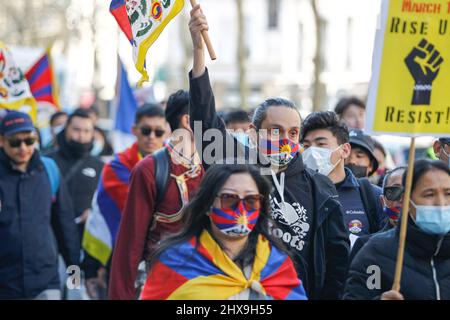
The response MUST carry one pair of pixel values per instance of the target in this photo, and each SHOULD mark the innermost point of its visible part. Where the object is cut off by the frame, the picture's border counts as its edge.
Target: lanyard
(279, 185)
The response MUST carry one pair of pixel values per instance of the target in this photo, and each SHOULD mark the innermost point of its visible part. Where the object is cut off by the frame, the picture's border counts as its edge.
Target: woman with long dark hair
(225, 250)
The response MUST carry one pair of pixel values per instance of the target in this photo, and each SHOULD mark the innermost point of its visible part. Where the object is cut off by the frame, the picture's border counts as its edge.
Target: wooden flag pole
(404, 219)
(212, 53)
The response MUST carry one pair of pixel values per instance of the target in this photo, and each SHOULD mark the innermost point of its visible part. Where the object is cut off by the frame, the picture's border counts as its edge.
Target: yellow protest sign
(409, 92)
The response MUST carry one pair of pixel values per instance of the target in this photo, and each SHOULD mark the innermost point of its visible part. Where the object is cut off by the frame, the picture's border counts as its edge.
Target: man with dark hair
(35, 210)
(112, 191)
(237, 120)
(362, 161)
(178, 108)
(79, 169)
(441, 148)
(326, 143)
(304, 203)
(351, 111)
(160, 187)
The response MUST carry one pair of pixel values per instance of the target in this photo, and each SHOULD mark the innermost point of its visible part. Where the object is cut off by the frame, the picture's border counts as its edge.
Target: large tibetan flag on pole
(146, 20)
(43, 82)
(15, 92)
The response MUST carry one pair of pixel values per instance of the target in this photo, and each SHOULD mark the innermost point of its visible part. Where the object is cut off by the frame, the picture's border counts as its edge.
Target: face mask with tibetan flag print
(235, 222)
(280, 152)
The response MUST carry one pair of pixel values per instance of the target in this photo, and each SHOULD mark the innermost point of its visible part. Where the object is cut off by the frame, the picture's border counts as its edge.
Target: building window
(273, 13)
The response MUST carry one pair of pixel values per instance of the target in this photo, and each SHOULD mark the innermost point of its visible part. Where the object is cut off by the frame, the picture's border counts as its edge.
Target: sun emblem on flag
(285, 148)
(156, 10)
(242, 220)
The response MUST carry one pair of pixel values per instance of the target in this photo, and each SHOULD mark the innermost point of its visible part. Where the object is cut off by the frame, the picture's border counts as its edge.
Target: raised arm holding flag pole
(143, 21)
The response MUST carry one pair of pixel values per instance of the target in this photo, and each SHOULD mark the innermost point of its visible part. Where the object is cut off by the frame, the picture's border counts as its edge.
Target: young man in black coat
(304, 203)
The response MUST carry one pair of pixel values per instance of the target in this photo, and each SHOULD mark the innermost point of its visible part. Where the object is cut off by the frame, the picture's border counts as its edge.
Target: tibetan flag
(125, 106)
(146, 19)
(199, 270)
(118, 10)
(43, 82)
(15, 93)
(107, 205)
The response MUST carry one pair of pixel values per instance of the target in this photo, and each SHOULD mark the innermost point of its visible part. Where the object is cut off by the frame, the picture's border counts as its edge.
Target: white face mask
(319, 159)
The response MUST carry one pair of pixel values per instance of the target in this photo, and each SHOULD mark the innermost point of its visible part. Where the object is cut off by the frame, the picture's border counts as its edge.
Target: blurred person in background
(362, 161)
(80, 170)
(381, 156)
(442, 150)
(112, 193)
(352, 112)
(392, 205)
(58, 121)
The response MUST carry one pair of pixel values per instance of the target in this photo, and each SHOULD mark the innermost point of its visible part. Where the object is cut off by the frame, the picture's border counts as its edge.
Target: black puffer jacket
(426, 268)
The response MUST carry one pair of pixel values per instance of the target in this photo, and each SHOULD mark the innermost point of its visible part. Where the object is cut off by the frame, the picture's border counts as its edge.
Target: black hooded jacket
(426, 266)
(81, 174)
(322, 265)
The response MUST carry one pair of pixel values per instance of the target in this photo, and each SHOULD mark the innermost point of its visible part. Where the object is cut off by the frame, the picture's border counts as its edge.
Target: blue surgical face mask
(433, 219)
(242, 138)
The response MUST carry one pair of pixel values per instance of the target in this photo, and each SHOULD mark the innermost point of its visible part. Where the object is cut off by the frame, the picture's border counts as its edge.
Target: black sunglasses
(148, 131)
(393, 193)
(16, 143)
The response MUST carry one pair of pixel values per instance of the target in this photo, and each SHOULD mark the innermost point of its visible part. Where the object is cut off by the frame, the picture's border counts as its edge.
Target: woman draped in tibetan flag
(226, 250)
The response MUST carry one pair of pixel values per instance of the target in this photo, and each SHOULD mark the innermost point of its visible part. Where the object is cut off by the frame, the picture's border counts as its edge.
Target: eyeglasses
(231, 201)
(16, 143)
(148, 131)
(393, 193)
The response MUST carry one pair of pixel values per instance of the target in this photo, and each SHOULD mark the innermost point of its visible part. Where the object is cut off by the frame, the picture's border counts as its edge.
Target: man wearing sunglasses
(391, 202)
(112, 191)
(34, 211)
(442, 150)
(152, 211)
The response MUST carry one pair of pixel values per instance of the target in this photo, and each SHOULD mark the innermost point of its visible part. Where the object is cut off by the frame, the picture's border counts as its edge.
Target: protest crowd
(207, 204)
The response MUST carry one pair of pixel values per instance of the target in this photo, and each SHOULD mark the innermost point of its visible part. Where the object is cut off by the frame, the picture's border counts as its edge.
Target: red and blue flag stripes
(103, 224)
(42, 81)
(119, 11)
(198, 269)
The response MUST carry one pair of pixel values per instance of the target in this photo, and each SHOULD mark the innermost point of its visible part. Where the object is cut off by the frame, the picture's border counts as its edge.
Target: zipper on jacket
(436, 283)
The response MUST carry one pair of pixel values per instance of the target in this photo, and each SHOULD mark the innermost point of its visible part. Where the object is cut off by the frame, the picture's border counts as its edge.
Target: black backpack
(162, 173)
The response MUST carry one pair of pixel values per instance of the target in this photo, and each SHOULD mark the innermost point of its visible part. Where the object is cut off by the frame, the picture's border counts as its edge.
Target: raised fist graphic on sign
(424, 63)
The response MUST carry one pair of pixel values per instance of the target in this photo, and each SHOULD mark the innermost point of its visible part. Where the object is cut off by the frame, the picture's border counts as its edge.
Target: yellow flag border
(147, 43)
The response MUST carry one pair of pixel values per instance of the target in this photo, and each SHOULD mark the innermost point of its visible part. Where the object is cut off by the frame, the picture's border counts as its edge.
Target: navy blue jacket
(32, 229)
(352, 199)
(426, 266)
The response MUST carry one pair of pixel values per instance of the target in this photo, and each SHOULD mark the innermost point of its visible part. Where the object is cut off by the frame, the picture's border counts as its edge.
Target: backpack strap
(162, 173)
(369, 201)
(53, 174)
